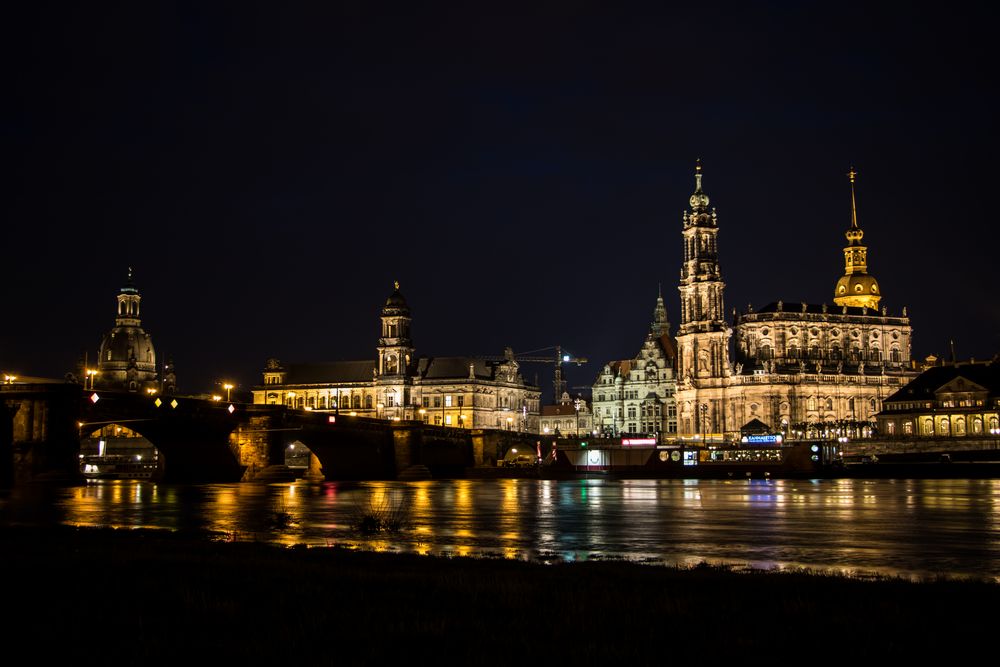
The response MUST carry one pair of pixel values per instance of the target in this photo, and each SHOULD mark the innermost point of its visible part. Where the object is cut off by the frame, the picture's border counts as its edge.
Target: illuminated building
(636, 396)
(807, 369)
(568, 417)
(466, 392)
(949, 401)
(126, 358)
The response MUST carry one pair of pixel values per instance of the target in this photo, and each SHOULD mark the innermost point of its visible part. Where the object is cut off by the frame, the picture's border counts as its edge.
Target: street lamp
(90, 373)
(510, 421)
(423, 414)
(228, 387)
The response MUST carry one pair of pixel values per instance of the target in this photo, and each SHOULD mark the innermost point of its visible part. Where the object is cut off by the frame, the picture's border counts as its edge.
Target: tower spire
(856, 287)
(854, 207)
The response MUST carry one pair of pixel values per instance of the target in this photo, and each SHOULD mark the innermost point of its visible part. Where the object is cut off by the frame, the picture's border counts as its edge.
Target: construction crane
(558, 358)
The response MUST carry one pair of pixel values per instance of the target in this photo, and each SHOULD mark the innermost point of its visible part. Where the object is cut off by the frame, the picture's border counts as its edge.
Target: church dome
(396, 303)
(124, 344)
(858, 290)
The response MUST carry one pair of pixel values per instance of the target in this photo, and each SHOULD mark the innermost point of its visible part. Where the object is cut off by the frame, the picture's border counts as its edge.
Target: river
(913, 528)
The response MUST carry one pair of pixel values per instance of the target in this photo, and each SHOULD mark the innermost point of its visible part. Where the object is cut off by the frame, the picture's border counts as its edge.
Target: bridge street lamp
(228, 387)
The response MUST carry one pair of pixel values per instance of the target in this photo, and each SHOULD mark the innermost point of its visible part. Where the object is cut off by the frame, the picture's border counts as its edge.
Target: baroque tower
(856, 287)
(395, 349)
(703, 336)
(126, 359)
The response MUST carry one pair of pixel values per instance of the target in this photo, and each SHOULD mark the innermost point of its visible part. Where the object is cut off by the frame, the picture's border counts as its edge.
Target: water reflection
(908, 527)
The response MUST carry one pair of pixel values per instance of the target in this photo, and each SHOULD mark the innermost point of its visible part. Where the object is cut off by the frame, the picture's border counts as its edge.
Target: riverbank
(159, 596)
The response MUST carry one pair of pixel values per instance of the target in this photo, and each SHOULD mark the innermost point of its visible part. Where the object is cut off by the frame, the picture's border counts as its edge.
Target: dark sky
(270, 171)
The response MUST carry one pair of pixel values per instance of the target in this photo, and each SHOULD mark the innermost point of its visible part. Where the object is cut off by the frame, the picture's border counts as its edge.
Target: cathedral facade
(464, 392)
(803, 369)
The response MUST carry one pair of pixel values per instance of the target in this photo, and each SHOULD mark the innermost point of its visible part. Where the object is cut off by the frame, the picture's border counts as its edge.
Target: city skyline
(268, 184)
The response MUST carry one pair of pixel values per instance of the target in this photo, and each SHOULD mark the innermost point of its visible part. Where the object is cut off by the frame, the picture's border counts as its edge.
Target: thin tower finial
(854, 207)
(395, 284)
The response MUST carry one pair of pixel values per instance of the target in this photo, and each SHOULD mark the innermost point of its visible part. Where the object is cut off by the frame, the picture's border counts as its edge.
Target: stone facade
(569, 417)
(464, 392)
(948, 401)
(637, 396)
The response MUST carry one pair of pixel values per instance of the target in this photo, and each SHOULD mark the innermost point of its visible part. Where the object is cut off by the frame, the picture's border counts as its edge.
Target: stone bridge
(210, 441)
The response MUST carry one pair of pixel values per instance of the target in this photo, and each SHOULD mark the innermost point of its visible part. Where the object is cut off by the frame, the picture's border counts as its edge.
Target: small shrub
(381, 512)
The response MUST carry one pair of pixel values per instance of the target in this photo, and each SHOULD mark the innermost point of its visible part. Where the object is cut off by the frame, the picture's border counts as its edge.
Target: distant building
(637, 396)
(952, 401)
(811, 369)
(465, 392)
(568, 417)
(126, 359)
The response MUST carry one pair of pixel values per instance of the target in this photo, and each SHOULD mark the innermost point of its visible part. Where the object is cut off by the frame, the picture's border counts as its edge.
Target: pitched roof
(558, 410)
(332, 372)
(924, 385)
(440, 368)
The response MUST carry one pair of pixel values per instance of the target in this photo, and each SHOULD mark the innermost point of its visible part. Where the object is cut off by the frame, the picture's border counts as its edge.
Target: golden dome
(859, 290)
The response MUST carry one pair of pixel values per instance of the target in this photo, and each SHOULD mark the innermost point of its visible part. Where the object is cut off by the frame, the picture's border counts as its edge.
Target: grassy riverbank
(161, 597)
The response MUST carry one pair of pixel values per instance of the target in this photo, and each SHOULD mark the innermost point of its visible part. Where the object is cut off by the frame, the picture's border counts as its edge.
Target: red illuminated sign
(331, 419)
(633, 442)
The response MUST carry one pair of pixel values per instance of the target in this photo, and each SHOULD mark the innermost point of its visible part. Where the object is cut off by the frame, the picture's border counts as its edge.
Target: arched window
(850, 406)
(891, 426)
(835, 352)
(812, 403)
(300, 402)
(311, 401)
(977, 426)
(945, 426)
(356, 401)
(876, 354)
(322, 402)
(872, 406)
(829, 404)
(368, 402)
(894, 355)
(765, 352)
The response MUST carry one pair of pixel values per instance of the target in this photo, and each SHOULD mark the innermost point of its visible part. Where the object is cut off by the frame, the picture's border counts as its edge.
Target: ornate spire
(854, 234)
(856, 287)
(699, 200)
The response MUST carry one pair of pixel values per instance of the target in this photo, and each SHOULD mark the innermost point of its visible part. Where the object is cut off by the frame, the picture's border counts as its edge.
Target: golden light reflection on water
(947, 526)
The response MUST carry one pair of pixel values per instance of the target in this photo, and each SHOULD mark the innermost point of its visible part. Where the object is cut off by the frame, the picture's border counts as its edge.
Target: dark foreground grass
(130, 597)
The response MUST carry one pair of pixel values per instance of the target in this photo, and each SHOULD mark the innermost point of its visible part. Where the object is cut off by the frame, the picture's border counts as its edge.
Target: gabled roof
(924, 386)
(755, 426)
(558, 410)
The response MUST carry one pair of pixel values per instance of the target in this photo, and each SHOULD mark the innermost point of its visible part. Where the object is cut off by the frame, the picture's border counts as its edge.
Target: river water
(912, 528)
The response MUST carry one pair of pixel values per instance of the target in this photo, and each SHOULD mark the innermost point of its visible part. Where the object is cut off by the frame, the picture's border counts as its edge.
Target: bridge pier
(39, 437)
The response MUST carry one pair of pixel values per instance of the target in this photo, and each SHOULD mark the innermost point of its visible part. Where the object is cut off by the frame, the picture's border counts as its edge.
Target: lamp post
(228, 387)
(90, 374)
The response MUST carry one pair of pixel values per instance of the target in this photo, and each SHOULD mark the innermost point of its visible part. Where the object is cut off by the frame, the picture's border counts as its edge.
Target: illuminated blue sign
(762, 439)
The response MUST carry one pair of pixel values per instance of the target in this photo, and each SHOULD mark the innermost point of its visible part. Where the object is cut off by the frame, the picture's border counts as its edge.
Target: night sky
(270, 171)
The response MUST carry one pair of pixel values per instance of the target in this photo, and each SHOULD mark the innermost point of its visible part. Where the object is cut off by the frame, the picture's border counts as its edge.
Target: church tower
(660, 325)
(856, 288)
(395, 349)
(703, 336)
(126, 359)
(393, 375)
